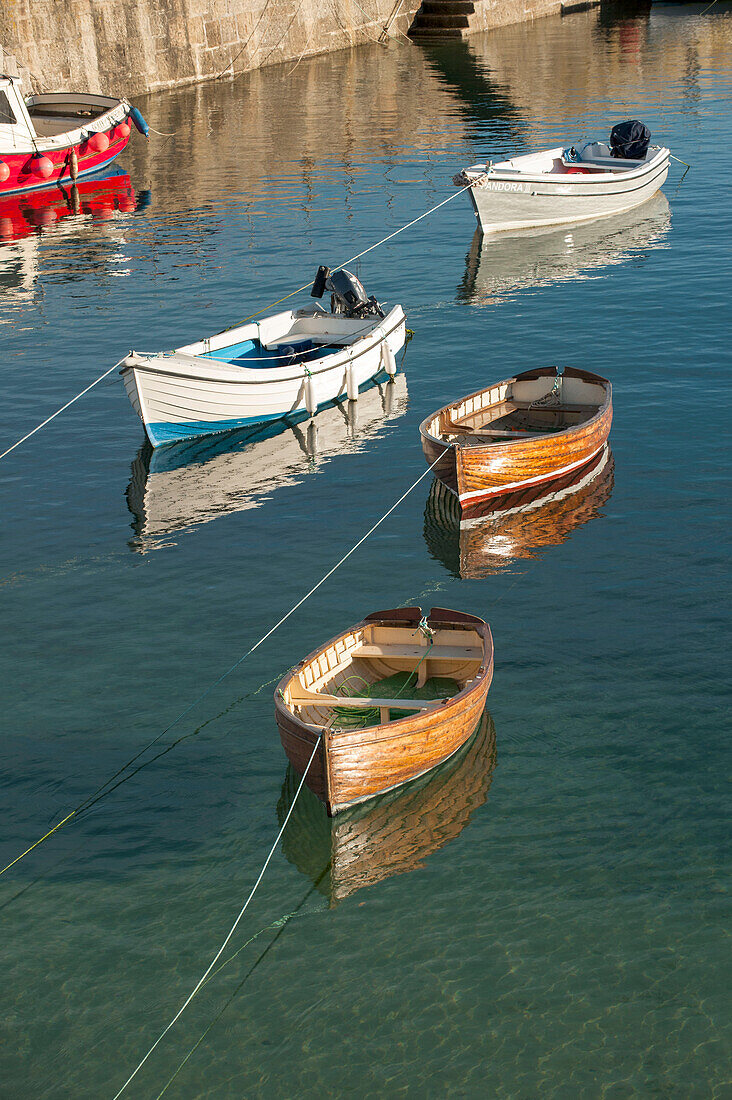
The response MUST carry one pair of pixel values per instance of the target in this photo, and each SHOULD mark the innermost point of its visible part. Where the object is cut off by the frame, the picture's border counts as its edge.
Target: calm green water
(560, 930)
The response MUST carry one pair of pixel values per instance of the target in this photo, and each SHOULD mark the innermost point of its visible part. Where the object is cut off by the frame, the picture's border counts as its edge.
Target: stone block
(213, 33)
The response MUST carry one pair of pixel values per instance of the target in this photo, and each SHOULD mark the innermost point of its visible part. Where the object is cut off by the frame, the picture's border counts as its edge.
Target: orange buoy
(4, 172)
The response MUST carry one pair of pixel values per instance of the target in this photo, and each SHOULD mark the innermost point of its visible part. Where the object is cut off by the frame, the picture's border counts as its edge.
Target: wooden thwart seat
(432, 653)
(301, 697)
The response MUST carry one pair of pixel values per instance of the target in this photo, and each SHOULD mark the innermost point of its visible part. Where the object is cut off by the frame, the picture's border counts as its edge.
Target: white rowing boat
(562, 186)
(284, 367)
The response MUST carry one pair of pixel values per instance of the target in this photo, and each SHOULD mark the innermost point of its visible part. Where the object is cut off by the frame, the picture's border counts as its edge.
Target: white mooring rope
(291, 295)
(88, 801)
(230, 933)
(63, 407)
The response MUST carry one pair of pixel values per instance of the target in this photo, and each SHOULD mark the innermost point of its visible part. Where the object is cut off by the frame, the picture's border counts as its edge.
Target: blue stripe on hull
(170, 432)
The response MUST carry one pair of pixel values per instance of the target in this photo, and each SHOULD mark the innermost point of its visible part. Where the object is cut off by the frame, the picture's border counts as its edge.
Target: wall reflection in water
(392, 834)
(500, 265)
(517, 526)
(178, 487)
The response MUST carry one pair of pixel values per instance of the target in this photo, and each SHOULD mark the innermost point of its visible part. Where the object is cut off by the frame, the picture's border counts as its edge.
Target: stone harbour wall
(133, 46)
(136, 46)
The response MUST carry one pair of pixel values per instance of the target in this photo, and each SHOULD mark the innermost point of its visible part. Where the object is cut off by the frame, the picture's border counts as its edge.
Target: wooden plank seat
(487, 435)
(504, 408)
(415, 652)
(301, 697)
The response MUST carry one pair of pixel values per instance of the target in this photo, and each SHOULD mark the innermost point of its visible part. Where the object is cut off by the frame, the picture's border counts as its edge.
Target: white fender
(311, 401)
(351, 382)
(388, 362)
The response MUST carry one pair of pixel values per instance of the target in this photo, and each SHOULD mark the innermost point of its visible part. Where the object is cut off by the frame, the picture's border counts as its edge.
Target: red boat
(49, 139)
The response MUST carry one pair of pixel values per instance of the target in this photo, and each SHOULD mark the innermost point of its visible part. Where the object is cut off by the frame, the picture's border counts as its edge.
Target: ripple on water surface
(561, 933)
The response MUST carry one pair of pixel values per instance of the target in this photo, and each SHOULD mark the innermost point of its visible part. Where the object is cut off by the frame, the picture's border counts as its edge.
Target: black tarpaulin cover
(630, 139)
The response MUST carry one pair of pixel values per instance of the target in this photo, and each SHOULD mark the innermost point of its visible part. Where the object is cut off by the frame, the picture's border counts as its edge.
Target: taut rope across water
(101, 792)
(292, 293)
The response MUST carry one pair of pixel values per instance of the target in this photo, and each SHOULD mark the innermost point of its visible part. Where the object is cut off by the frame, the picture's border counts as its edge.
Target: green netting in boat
(398, 685)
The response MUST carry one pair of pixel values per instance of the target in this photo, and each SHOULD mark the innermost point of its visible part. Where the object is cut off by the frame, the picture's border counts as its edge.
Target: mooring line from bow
(292, 294)
(201, 981)
(358, 256)
(100, 791)
(280, 924)
(63, 407)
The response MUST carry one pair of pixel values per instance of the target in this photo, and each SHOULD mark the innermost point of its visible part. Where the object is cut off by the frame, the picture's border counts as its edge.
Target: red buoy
(578, 171)
(42, 166)
(99, 142)
(4, 172)
(123, 130)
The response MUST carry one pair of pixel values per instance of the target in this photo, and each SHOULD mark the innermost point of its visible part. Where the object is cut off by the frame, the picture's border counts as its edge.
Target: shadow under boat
(392, 834)
(500, 265)
(180, 486)
(516, 525)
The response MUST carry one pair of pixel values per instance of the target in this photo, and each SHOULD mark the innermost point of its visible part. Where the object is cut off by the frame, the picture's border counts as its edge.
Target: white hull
(506, 199)
(186, 393)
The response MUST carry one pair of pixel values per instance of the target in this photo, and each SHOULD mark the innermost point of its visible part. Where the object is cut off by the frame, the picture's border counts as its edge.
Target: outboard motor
(347, 295)
(629, 140)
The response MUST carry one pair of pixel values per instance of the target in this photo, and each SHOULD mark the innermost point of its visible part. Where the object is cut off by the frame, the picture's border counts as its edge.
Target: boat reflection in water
(515, 526)
(392, 834)
(95, 196)
(498, 266)
(180, 486)
(29, 221)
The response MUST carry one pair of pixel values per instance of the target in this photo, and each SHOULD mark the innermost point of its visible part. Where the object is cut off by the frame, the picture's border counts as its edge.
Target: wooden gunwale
(483, 470)
(353, 766)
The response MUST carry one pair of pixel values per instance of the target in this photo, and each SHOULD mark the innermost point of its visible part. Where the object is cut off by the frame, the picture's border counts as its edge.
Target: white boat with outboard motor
(285, 366)
(568, 185)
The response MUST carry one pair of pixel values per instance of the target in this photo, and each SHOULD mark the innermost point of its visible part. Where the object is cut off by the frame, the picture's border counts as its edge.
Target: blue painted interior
(252, 353)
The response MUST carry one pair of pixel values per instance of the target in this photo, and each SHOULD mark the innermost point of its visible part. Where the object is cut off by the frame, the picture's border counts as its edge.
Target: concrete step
(434, 33)
(447, 7)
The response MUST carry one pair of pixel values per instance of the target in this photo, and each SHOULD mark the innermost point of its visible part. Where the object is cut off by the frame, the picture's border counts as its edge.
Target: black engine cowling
(630, 140)
(347, 295)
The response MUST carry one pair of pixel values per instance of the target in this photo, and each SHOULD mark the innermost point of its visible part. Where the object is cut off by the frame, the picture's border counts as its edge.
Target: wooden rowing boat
(514, 527)
(327, 694)
(392, 834)
(524, 431)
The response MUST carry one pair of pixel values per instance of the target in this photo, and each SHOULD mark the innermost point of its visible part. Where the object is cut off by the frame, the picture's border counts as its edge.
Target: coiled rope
(299, 290)
(230, 933)
(101, 791)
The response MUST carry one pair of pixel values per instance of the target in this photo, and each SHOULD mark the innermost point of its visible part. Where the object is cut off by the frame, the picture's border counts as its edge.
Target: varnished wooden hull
(390, 835)
(515, 526)
(478, 474)
(352, 766)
